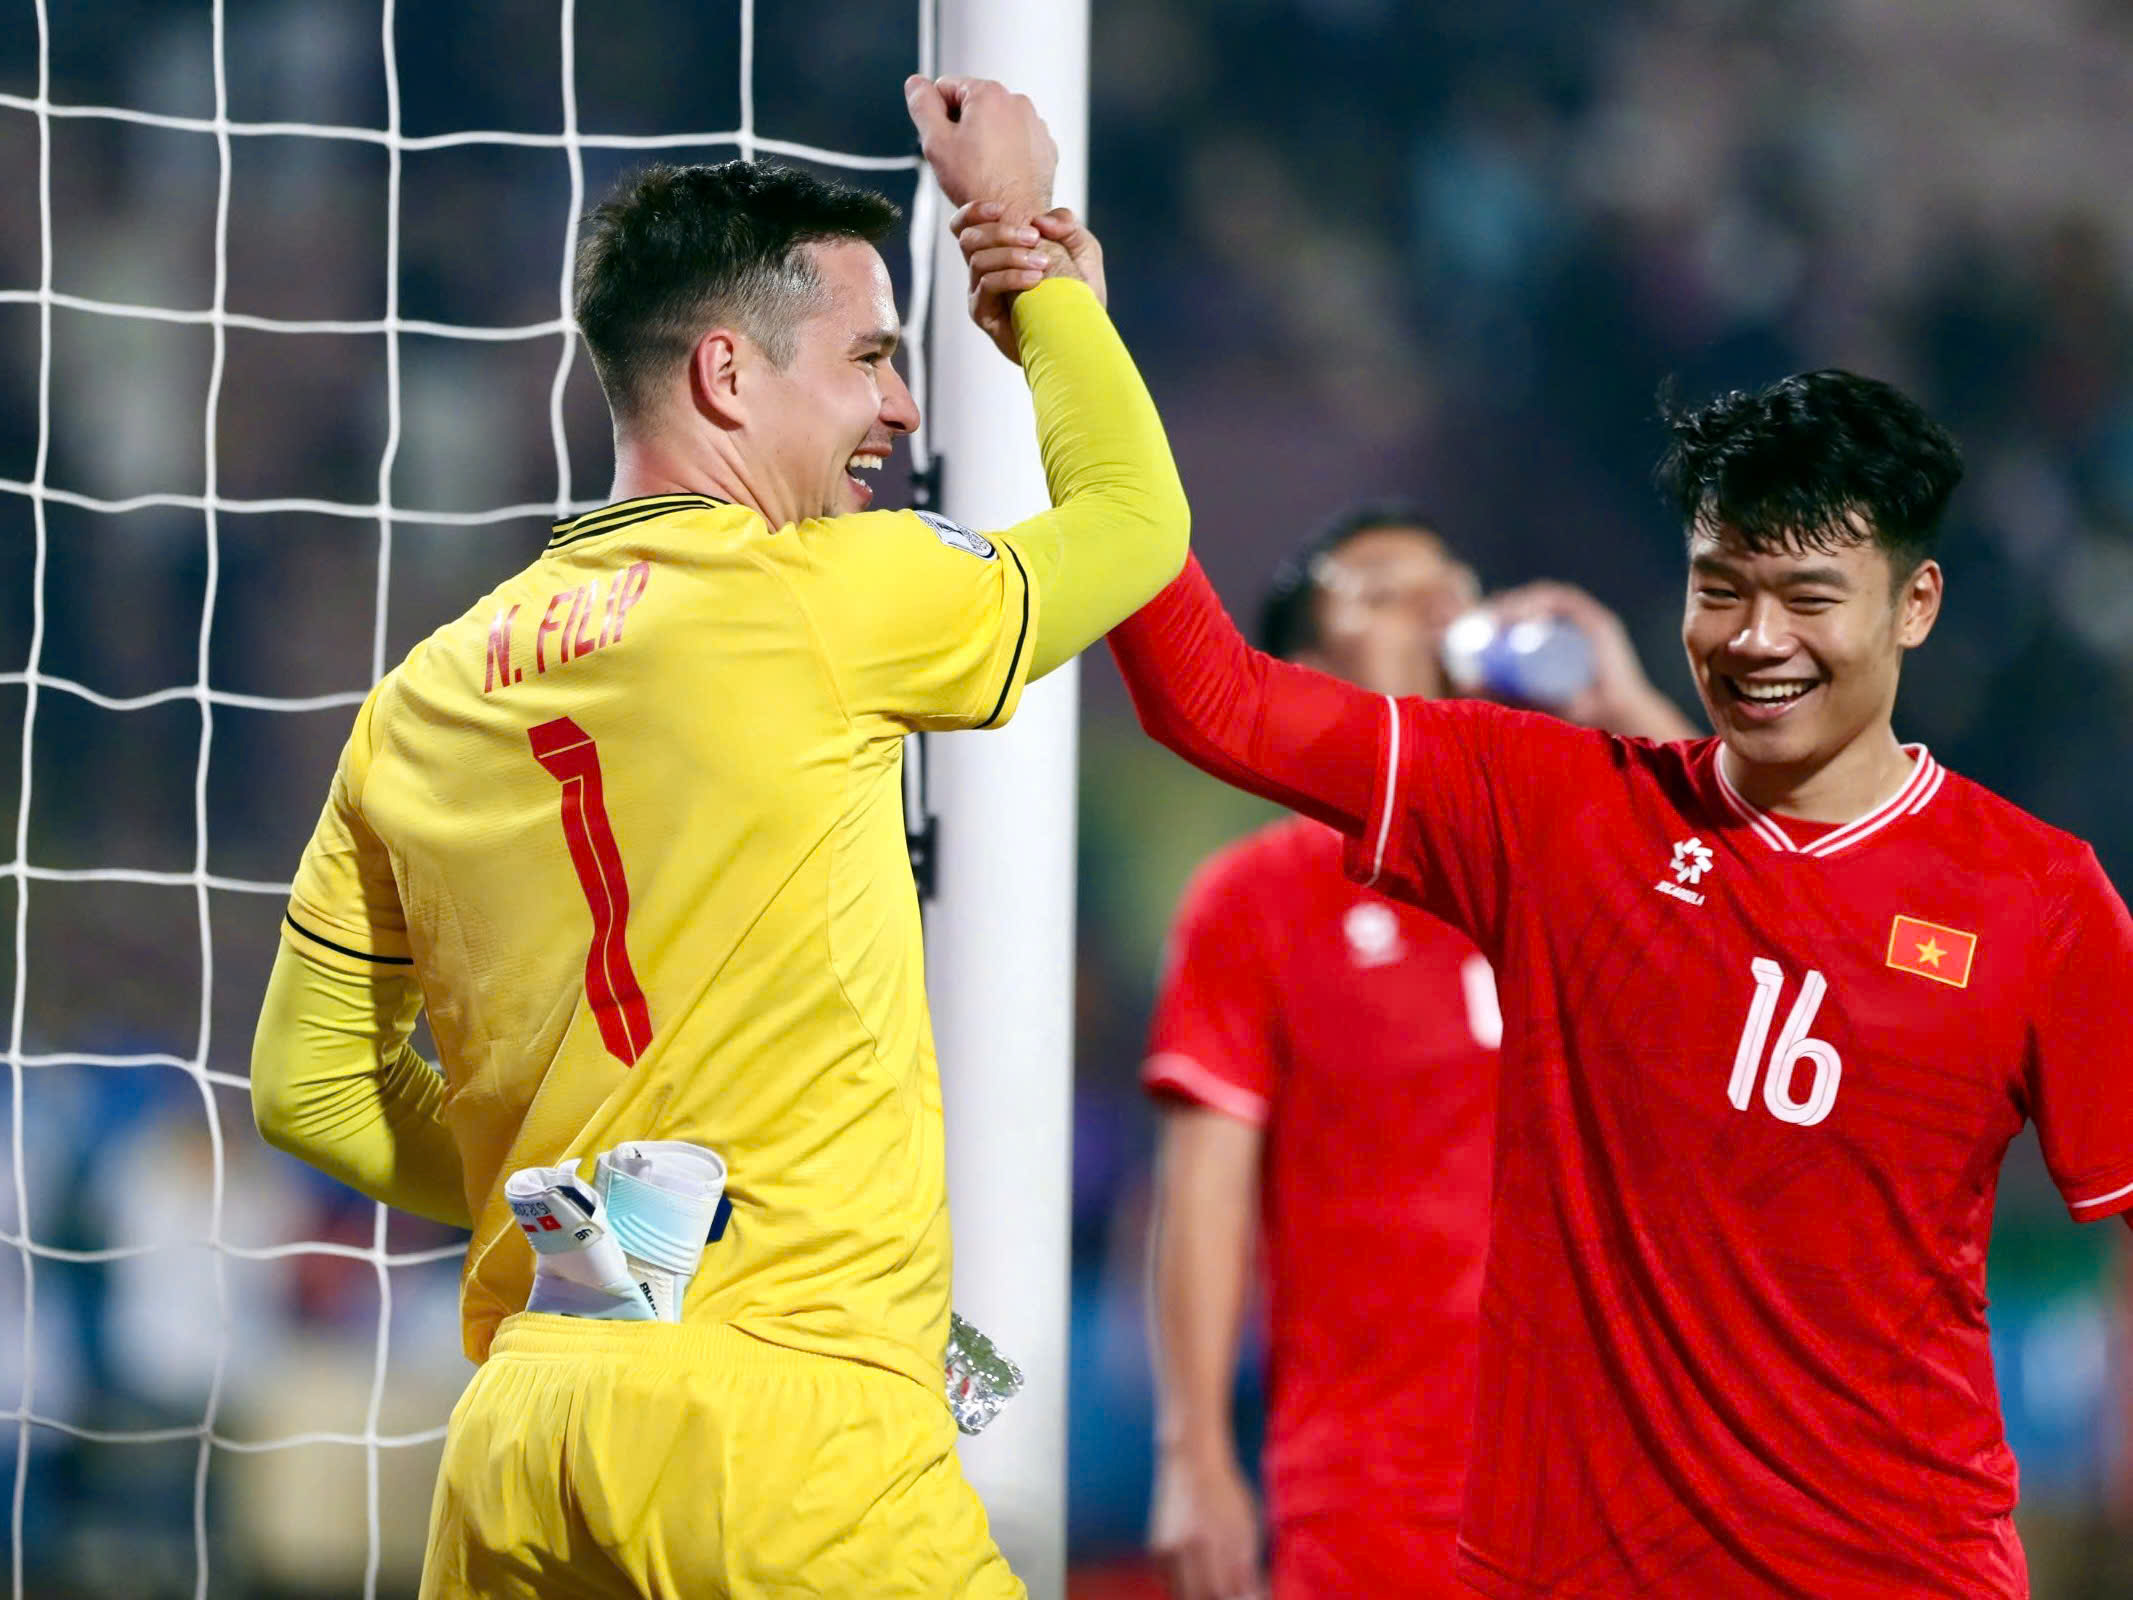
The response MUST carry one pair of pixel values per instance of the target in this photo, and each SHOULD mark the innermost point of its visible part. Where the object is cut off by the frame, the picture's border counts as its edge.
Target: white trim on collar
(1917, 791)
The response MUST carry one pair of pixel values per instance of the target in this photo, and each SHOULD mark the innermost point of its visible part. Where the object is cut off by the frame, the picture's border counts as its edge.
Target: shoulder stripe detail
(1184, 1076)
(1392, 781)
(623, 513)
(2100, 1200)
(1014, 662)
(342, 949)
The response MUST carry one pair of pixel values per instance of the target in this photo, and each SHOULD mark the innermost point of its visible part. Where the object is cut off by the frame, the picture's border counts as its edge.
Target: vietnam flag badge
(1932, 951)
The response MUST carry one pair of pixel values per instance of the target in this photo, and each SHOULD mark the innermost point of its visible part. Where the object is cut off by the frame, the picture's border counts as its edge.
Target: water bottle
(1541, 661)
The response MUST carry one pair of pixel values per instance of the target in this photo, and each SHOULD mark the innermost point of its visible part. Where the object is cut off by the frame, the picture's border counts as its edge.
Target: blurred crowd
(1361, 247)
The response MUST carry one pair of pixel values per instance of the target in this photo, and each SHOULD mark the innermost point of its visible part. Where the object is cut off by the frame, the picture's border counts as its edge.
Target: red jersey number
(568, 754)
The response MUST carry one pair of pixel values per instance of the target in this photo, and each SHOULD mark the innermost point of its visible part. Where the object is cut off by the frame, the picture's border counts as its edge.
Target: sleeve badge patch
(956, 536)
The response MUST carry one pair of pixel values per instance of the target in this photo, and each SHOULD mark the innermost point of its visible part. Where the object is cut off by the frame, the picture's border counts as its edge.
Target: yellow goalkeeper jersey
(636, 821)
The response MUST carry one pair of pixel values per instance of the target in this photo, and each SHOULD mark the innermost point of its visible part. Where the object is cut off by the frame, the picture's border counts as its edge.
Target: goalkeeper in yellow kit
(630, 830)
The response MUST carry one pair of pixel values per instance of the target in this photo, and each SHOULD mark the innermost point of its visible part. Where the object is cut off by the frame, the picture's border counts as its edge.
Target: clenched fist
(984, 142)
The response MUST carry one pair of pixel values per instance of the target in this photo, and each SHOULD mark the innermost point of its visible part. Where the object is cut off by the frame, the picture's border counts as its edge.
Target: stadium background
(1360, 246)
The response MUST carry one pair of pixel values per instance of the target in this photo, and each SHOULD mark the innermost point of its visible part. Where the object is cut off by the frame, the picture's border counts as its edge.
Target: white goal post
(1000, 940)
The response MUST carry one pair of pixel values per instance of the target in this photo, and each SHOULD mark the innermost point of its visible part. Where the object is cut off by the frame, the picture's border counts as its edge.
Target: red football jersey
(1363, 1034)
(1757, 1084)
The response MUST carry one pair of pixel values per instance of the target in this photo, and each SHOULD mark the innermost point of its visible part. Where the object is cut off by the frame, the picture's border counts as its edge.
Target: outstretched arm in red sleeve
(1301, 738)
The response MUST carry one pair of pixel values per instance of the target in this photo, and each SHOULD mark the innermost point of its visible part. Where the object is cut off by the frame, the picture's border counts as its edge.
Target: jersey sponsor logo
(1928, 950)
(1692, 859)
(1373, 934)
(956, 536)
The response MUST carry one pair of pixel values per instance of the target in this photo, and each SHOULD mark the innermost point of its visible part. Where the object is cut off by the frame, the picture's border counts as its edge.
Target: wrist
(1198, 1449)
(1057, 263)
(1021, 207)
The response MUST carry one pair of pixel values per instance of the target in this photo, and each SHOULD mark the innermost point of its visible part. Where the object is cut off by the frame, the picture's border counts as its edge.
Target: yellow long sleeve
(1119, 522)
(336, 1083)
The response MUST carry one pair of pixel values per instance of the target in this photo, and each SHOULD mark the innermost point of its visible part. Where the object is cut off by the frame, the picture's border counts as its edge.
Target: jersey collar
(1917, 792)
(624, 513)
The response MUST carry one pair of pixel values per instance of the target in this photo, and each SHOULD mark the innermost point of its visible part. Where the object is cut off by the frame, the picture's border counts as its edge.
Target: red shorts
(1337, 1555)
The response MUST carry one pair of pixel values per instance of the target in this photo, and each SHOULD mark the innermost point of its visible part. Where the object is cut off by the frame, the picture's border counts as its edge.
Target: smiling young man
(1774, 1005)
(631, 830)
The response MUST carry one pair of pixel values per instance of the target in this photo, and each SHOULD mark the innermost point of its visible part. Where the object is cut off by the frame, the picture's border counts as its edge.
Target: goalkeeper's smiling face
(831, 415)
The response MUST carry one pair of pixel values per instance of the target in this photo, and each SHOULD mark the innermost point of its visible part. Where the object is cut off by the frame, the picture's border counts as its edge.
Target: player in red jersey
(1774, 1003)
(1325, 1059)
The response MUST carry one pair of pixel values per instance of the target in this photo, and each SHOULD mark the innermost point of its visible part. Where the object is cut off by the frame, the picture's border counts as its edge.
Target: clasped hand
(994, 159)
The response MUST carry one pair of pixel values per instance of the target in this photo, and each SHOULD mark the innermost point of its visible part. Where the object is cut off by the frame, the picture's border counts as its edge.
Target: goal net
(288, 379)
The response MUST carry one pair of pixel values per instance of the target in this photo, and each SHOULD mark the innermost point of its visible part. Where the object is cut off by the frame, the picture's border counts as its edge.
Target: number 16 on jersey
(1792, 1048)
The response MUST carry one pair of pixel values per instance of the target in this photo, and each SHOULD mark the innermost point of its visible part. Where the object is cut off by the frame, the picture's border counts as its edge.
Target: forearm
(1301, 738)
(1200, 1271)
(1117, 529)
(1648, 714)
(336, 1083)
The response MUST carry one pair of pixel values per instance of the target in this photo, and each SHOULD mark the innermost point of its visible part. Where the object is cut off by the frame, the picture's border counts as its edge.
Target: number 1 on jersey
(1792, 1047)
(568, 754)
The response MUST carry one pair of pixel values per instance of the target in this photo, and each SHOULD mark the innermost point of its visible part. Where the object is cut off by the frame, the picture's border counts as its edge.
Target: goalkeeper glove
(663, 1202)
(579, 1269)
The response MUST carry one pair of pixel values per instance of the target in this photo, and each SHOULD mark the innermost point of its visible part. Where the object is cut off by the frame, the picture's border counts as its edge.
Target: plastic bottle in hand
(1540, 661)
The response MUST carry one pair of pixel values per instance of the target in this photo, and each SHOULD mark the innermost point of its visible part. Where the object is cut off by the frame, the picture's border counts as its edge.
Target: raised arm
(1118, 524)
(1286, 732)
(1299, 737)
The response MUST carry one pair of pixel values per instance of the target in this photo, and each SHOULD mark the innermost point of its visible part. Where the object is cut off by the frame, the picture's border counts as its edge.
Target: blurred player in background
(631, 830)
(1325, 1059)
(1775, 1004)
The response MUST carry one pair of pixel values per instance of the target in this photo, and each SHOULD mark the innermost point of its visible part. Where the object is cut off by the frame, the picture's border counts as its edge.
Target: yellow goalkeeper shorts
(649, 1459)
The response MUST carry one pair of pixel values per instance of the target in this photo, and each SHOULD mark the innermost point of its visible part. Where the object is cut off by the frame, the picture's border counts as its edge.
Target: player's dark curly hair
(676, 251)
(1788, 467)
(1288, 620)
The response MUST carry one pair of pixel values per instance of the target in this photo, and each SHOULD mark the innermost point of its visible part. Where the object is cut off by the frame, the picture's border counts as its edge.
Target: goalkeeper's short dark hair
(1288, 616)
(677, 251)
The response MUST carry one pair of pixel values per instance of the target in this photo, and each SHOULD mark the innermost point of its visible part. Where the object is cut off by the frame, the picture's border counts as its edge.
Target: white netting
(157, 1266)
